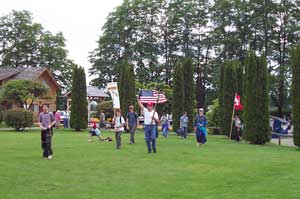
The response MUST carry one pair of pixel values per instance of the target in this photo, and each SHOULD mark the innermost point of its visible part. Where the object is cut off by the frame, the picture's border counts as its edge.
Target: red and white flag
(237, 102)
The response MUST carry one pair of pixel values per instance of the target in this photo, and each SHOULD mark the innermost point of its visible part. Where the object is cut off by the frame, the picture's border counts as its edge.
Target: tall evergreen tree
(189, 90)
(79, 112)
(296, 94)
(256, 112)
(229, 90)
(178, 96)
(221, 95)
(126, 86)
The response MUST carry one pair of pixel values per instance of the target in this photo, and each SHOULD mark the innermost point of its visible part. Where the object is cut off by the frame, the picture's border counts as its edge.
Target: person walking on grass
(150, 121)
(102, 120)
(237, 128)
(46, 122)
(57, 119)
(119, 123)
(184, 120)
(200, 127)
(165, 125)
(131, 123)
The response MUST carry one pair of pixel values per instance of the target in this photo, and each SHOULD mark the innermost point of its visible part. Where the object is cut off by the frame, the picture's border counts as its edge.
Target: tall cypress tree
(189, 90)
(126, 86)
(220, 95)
(256, 111)
(229, 90)
(296, 94)
(178, 96)
(79, 112)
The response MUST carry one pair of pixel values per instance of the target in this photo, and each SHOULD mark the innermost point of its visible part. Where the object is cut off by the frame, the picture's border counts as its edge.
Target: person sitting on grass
(94, 131)
(200, 127)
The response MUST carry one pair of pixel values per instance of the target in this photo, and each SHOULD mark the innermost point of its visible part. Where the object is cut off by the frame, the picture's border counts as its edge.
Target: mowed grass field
(79, 169)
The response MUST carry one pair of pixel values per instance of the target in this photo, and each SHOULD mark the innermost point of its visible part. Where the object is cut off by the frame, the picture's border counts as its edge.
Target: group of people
(151, 122)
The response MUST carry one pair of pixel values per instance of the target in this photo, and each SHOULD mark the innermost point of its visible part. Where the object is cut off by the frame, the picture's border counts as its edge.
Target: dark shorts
(93, 133)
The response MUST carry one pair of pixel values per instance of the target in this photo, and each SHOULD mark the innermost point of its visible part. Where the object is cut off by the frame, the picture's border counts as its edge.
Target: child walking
(119, 127)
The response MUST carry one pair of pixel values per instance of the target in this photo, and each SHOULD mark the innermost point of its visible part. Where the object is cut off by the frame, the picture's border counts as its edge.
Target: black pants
(118, 139)
(46, 138)
(132, 132)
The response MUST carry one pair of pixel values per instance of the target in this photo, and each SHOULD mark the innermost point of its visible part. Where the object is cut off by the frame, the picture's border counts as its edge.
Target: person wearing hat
(150, 121)
(200, 127)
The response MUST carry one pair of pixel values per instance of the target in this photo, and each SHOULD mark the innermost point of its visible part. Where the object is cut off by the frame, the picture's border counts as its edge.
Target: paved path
(284, 141)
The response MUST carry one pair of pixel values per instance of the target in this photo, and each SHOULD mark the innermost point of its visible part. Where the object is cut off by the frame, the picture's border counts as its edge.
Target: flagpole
(232, 118)
(155, 106)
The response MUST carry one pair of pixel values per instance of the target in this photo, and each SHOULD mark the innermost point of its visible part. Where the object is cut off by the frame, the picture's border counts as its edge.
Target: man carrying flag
(151, 118)
(236, 106)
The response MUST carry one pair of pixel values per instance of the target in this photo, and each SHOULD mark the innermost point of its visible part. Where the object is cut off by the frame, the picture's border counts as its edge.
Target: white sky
(79, 21)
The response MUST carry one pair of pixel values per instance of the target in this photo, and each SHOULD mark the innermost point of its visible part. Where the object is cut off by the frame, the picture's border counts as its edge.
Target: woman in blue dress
(200, 128)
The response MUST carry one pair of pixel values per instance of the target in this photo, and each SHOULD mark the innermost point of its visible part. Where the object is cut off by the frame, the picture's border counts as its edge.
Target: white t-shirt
(148, 116)
(119, 123)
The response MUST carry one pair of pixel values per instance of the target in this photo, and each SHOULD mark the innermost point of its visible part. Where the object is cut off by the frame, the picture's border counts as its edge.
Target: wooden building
(42, 75)
(93, 94)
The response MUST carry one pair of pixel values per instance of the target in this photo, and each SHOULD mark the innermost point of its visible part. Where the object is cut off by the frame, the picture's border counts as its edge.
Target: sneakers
(50, 157)
(90, 140)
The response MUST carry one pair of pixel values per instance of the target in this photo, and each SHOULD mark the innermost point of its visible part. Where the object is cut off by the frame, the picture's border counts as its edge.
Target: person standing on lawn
(184, 120)
(150, 121)
(46, 122)
(200, 127)
(165, 125)
(102, 120)
(57, 118)
(131, 123)
(119, 127)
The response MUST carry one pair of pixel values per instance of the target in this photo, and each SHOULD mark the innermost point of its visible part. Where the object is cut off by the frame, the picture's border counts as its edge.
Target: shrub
(213, 114)
(19, 119)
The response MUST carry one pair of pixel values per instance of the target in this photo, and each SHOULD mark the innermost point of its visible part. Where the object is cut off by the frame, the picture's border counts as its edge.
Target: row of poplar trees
(250, 81)
(183, 99)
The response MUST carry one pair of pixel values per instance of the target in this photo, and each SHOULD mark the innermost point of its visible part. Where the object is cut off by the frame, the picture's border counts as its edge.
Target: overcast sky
(79, 20)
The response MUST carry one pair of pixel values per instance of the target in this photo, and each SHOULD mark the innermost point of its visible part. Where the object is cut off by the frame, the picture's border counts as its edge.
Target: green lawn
(221, 169)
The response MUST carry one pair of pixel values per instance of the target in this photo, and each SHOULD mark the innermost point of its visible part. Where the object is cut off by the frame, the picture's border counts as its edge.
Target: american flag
(148, 96)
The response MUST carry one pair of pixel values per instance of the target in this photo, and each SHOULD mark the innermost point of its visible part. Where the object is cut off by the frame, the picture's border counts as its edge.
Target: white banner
(112, 87)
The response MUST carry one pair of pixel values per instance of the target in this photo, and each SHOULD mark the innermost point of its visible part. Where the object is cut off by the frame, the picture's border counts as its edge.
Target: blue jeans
(165, 130)
(200, 136)
(150, 137)
(183, 132)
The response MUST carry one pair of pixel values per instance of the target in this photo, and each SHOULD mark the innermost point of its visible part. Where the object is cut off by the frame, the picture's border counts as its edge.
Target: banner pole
(232, 117)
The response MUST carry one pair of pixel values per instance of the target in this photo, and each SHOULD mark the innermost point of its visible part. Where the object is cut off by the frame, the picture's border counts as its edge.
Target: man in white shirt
(150, 121)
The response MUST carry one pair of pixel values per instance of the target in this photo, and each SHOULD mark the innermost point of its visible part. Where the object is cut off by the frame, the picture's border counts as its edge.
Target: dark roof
(24, 73)
(93, 91)
(29, 73)
(9, 72)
